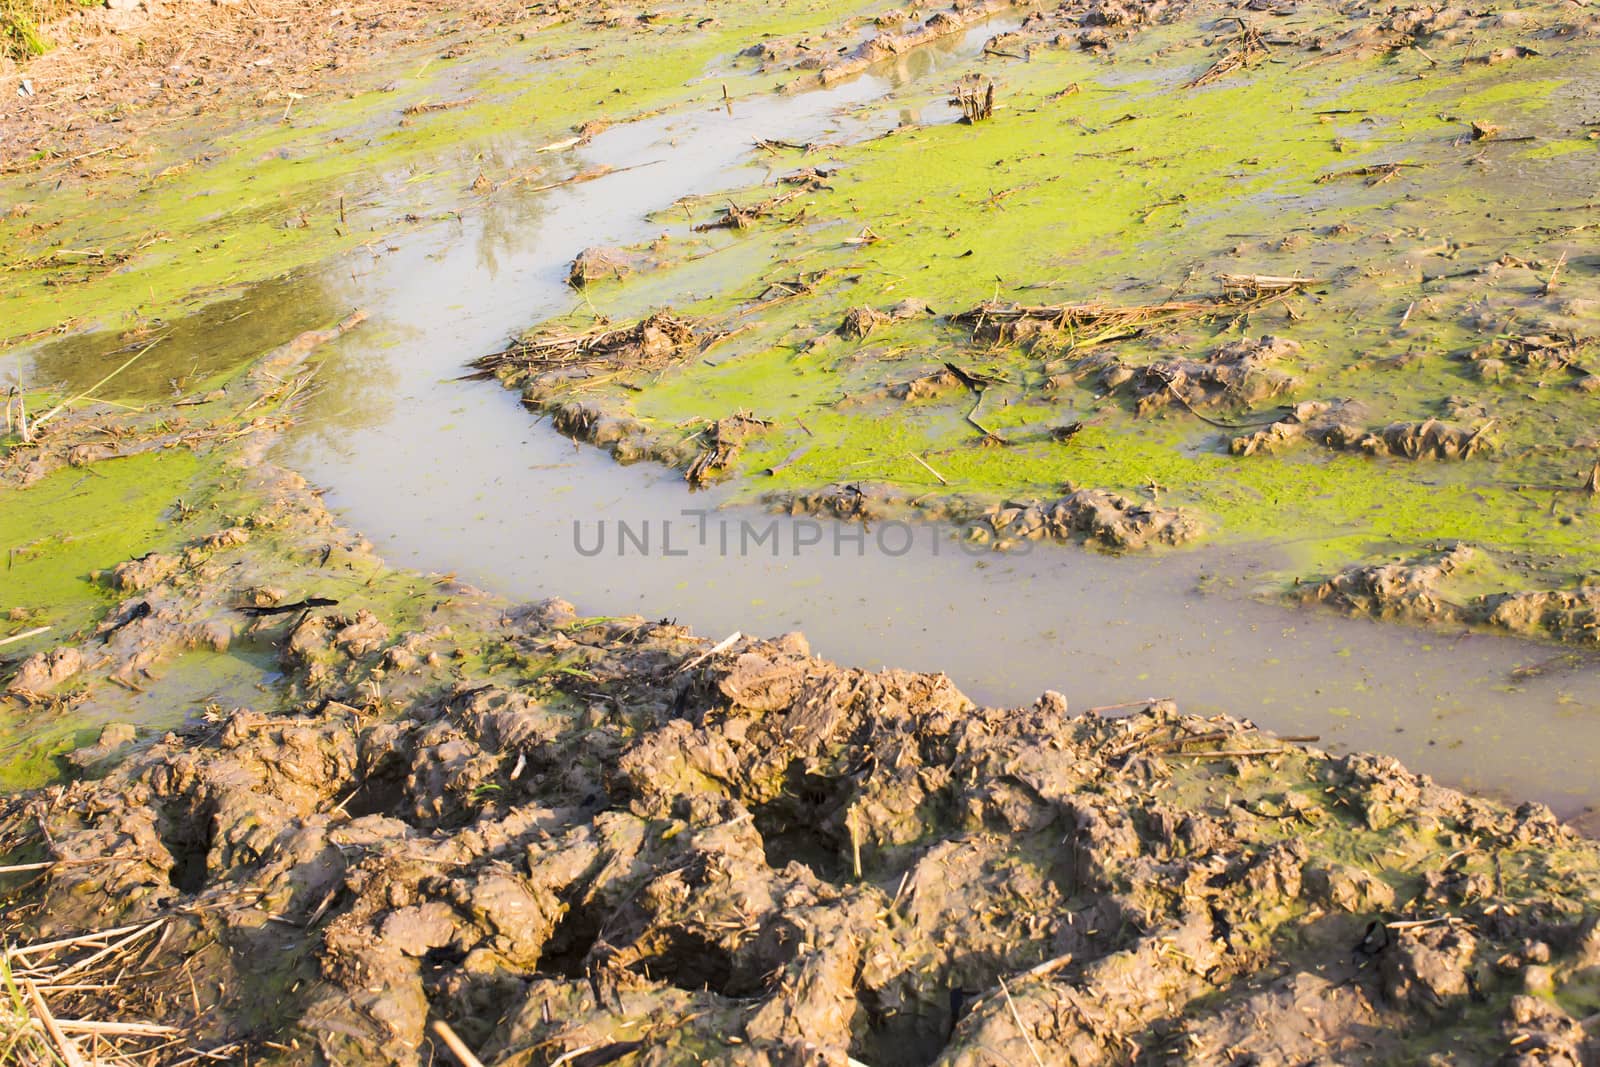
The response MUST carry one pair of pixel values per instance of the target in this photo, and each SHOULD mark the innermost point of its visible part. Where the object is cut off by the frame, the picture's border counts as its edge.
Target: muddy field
(1043, 291)
(1324, 279)
(1317, 283)
(582, 840)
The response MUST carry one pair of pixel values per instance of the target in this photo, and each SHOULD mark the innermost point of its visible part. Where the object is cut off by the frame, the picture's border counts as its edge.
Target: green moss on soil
(75, 521)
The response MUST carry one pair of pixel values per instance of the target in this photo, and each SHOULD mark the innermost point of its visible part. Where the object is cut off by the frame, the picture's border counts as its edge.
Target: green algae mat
(1296, 279)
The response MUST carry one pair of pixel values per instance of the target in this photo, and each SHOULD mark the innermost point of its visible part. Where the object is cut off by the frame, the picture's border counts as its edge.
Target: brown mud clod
(1238, 374)
(1089, 324)
(1405, 590)
(599, 264)
(1339, 426)
(723, 440)
(1109, 519)
(553, 360)
(554, 369)
(1419, 590)
(732, 216)
(892, 42)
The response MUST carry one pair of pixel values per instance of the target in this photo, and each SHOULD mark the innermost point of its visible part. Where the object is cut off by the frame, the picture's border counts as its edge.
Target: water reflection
(217, 339)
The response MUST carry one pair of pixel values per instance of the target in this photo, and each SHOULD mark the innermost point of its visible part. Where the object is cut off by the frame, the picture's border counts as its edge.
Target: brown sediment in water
(81, 431)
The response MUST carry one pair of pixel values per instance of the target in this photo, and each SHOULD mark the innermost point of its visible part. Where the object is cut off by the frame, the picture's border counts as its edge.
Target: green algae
(82, 520)
(189, 355)
(34, 743)
(56, 534)
(179, 224)
(75, 521)
(1129, 191)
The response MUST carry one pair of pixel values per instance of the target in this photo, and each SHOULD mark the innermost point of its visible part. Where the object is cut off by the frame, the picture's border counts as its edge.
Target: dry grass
(640, 344)
(20, 38)
(22, 1041)
(50, 991)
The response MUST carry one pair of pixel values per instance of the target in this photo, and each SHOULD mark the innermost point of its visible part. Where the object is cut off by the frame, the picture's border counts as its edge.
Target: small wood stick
(721, 646)
(1016, 1015)
(53, 412)
(1547, 285)
(927, 468)
(99, 937)
(135, 1029)
(1124, 704)
(69, 1048)
(23, 636)
(19, 868)
(898, 893)
(1047, 968)
(457, 1047)
(855, 843)
(109, 949)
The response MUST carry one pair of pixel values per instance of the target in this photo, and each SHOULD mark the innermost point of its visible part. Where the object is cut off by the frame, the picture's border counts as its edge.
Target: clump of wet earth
(1421, 589)
(580, 840)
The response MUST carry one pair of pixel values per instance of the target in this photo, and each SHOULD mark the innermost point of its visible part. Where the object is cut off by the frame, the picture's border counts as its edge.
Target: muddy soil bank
(118, 71)
(604, 840)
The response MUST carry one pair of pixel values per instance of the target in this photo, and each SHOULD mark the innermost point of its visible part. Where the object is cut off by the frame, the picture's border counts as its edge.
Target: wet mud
(1423, 590)
(554, 836)
(438, 820)
(564, 837)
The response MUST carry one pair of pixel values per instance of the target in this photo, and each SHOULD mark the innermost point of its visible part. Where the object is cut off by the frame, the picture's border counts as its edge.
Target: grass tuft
(19, 30)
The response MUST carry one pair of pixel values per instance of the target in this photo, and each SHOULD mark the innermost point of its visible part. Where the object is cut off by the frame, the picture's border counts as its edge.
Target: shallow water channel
(457, 477)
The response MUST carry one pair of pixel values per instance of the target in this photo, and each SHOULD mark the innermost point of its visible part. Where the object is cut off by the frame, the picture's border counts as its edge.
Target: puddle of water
(220, 337)
(186, 685)
(530, 515)
(456, 477)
